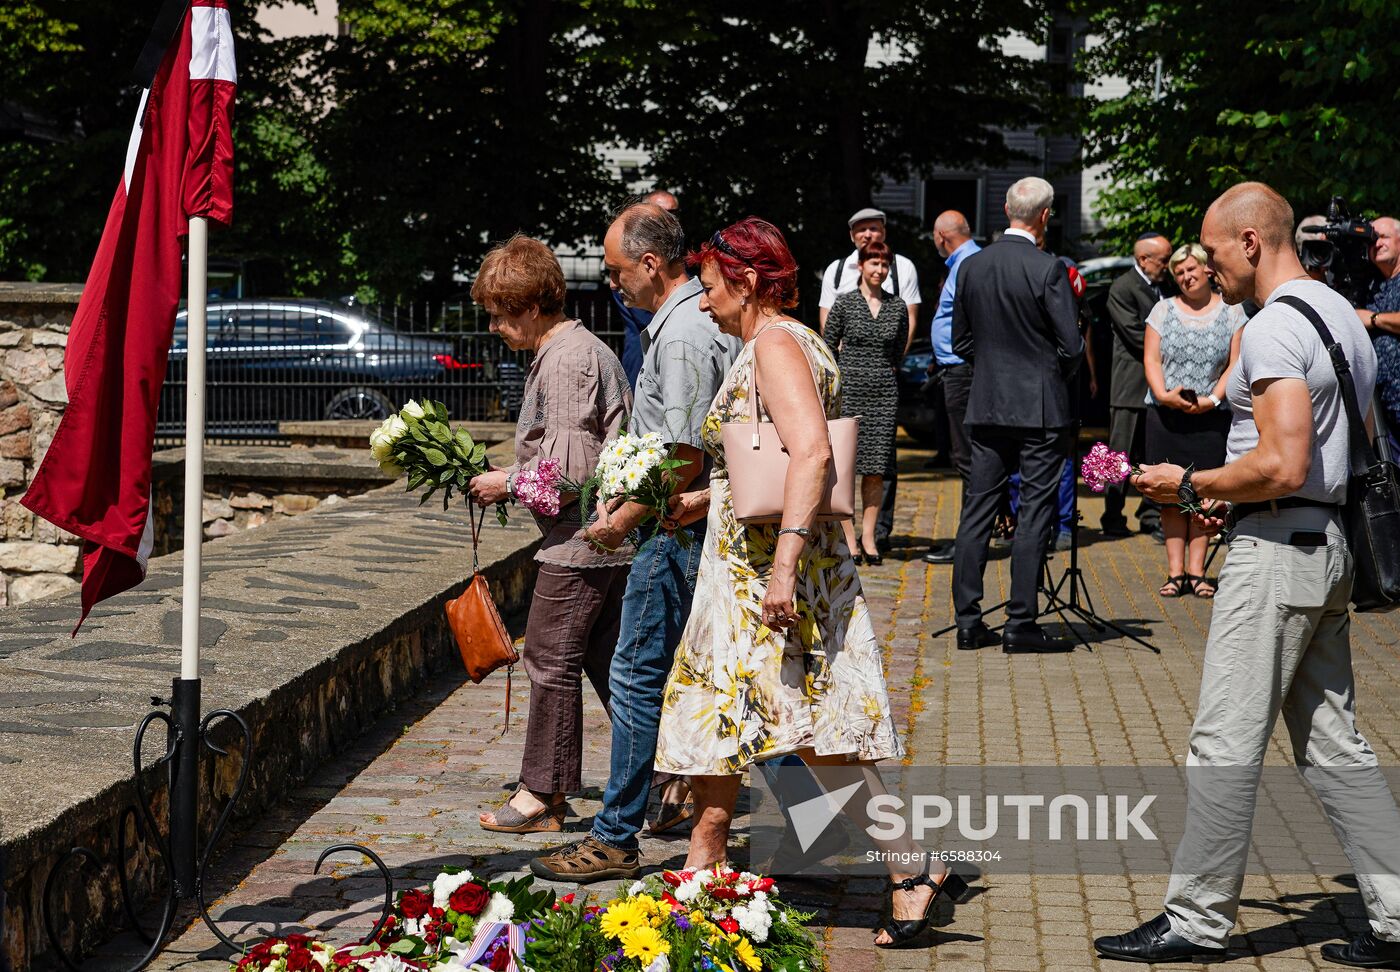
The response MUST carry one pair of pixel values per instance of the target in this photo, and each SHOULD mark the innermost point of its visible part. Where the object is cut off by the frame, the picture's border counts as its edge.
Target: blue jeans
(655, 608)
(1065, 514)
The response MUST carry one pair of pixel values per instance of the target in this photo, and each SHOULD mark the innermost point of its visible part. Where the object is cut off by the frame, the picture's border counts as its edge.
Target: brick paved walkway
(412, 789)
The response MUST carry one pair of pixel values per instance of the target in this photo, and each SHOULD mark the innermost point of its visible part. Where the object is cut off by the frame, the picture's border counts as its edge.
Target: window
(963, 193)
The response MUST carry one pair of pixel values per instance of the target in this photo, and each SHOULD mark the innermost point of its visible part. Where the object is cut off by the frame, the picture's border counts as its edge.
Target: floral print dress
(740, 692)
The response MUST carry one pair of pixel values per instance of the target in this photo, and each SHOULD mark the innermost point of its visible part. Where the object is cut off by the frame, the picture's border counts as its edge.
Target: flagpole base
(186, 736)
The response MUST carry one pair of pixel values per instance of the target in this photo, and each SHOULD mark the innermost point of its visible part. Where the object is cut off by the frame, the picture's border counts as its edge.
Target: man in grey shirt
(1279, 638)
(685, 358)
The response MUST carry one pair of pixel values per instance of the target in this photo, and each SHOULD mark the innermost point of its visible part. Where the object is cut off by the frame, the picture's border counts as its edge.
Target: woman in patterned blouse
(576, 397)
(1189, 347)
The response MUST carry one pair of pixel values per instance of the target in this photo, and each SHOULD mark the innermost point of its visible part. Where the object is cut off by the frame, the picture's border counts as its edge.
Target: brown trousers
(572, 631)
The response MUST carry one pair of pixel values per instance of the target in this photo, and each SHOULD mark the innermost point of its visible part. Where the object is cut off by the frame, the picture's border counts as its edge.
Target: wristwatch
(1186, 493)
(1213, 400)
(1374, 315)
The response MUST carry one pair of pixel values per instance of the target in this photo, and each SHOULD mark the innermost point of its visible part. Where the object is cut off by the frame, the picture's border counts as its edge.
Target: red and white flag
(95, 480)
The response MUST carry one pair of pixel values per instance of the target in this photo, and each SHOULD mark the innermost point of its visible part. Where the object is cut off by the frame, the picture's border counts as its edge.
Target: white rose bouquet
(637, 469)
(419, 441)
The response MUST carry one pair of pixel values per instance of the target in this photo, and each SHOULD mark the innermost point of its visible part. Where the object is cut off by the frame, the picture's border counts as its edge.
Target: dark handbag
(1372, 508)
(476, 625)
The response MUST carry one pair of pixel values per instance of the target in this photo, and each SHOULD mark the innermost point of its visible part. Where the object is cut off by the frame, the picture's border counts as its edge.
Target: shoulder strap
(1360, 444)
(894, 274)
(840, 272)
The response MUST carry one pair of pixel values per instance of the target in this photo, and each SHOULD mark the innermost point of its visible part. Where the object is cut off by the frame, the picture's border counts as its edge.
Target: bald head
(663, 199)
(1253, 205)
(1248, 237)
(950, 231)
(1151, 253)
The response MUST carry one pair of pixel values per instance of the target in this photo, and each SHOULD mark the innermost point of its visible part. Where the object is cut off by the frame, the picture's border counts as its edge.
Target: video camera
(1344, 252)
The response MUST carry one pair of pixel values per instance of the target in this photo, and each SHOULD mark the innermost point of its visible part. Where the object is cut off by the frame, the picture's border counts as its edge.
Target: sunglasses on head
(720, 243)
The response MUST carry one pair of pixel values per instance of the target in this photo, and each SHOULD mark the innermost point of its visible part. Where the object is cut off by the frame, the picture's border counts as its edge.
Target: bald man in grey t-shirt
(1280, 630)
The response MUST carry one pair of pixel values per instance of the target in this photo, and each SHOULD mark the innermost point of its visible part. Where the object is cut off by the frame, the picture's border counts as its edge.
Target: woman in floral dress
(779, 656)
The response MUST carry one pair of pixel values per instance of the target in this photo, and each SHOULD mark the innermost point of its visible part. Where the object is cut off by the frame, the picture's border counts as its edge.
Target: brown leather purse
(477, 626)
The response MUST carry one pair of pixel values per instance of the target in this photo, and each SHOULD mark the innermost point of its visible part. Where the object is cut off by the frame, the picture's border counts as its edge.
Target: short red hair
(758, 244)
(876, 251)
(519, 274)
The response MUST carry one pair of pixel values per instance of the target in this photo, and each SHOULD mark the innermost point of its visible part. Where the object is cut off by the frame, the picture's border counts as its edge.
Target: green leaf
(441, 410)
(436, 456)
(439, 432)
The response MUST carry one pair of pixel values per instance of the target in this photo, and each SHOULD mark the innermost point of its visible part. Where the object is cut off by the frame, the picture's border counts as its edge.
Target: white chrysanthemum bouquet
(636, 469)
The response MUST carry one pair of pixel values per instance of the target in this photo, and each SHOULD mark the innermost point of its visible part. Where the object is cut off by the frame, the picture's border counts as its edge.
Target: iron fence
(271, 361)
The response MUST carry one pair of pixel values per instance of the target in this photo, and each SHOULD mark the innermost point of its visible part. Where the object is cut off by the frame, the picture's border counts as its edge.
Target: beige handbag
(758, 466)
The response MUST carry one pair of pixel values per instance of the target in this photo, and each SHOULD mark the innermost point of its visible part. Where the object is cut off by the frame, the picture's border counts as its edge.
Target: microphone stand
(1070, 594)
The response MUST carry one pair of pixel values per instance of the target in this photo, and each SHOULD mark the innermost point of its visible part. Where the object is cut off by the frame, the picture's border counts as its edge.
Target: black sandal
(1183, 584)
(904, 930)
(1202, 587)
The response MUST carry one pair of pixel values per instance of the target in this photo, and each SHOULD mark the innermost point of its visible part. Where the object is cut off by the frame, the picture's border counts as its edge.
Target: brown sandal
(509, 820)
(588, 860)
(671, 815)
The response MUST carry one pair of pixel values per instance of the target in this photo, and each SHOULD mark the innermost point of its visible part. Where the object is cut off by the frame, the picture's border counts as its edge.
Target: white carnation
(637, 888)
(500, 908)
(753, 921)
(445, 884)
(412, 409)
(386, 963)
(687, 890)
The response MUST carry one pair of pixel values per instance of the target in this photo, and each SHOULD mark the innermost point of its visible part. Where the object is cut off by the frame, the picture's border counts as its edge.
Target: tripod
(1070, 594)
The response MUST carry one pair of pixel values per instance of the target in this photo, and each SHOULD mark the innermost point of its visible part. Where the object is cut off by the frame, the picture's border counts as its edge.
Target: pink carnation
(538, 489)
(1102, 467)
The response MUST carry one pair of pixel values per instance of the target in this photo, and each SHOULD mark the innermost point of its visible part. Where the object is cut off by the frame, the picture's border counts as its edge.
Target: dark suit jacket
(1016, 320)
(1130, 300)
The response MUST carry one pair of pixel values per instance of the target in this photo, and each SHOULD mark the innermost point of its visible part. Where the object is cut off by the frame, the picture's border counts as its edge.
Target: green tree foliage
(385, 160)
(1303, 96)
(772, 109)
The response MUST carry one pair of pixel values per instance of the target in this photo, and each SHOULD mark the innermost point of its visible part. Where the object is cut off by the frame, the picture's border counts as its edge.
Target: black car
(270, 361)
(920, 419)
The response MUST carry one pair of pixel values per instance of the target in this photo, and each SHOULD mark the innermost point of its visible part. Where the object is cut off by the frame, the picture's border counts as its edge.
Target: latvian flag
(95, 480)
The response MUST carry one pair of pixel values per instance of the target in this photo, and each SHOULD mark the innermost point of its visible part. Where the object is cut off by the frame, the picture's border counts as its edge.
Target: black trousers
(997, 452)
(884, 523)
(1127, 429)
(957, 389)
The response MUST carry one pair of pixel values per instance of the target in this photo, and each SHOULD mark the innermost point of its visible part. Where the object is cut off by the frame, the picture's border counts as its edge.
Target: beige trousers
(1280, 643)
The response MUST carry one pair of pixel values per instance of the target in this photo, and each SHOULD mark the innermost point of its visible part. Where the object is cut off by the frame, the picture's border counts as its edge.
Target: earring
(743, 302)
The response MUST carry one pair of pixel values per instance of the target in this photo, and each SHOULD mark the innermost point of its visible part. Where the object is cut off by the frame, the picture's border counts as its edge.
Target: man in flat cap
(868, 226)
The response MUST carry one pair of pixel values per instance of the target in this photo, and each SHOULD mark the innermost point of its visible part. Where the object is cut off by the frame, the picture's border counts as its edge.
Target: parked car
(920, 419)
(270, 361)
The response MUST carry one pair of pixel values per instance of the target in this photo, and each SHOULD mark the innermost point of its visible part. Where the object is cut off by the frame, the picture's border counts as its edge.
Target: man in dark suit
(1015, 318)
(1130, 299)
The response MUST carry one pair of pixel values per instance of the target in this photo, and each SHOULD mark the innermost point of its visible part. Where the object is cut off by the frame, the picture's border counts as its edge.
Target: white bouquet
(637, 469)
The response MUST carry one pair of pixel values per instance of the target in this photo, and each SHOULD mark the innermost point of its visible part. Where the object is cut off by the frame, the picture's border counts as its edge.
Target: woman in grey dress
(869, 331)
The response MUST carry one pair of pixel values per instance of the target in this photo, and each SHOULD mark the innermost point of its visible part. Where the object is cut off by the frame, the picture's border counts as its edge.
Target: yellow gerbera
(621, 917)
(644, 944)
(743, 951)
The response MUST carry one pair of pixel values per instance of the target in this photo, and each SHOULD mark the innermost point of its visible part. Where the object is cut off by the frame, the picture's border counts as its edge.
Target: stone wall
(36, 558)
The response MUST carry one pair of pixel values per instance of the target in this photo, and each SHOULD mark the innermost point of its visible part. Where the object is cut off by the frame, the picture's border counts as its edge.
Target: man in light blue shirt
(953, 237)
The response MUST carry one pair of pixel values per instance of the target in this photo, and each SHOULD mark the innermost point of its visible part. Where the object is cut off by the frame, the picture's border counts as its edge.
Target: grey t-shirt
(684, 359)
(1278, 342)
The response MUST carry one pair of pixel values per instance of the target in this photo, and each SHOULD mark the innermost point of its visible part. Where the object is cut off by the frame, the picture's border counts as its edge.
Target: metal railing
(287, 360)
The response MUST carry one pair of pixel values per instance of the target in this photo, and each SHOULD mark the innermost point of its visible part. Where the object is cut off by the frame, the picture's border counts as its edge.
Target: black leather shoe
(1154, 941)
(1033, 641)
(940, 555)
(978, 637)
(1365, 951)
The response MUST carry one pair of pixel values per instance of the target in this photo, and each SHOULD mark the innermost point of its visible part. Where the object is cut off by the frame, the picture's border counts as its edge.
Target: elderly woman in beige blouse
(576, 398)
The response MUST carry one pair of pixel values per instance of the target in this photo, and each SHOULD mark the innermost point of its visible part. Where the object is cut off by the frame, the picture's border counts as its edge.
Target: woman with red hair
(779, 656)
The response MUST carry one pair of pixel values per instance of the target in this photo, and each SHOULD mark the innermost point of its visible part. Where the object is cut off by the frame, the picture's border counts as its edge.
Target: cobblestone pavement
(412, 789)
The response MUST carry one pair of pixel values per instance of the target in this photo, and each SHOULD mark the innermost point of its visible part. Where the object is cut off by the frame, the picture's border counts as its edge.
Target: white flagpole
(194, 445)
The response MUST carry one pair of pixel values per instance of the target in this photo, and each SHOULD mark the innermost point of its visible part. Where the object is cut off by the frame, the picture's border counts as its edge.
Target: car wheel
(360, 403)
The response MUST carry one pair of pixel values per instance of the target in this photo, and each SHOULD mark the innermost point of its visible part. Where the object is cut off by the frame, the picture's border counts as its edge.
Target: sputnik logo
(810, 818)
